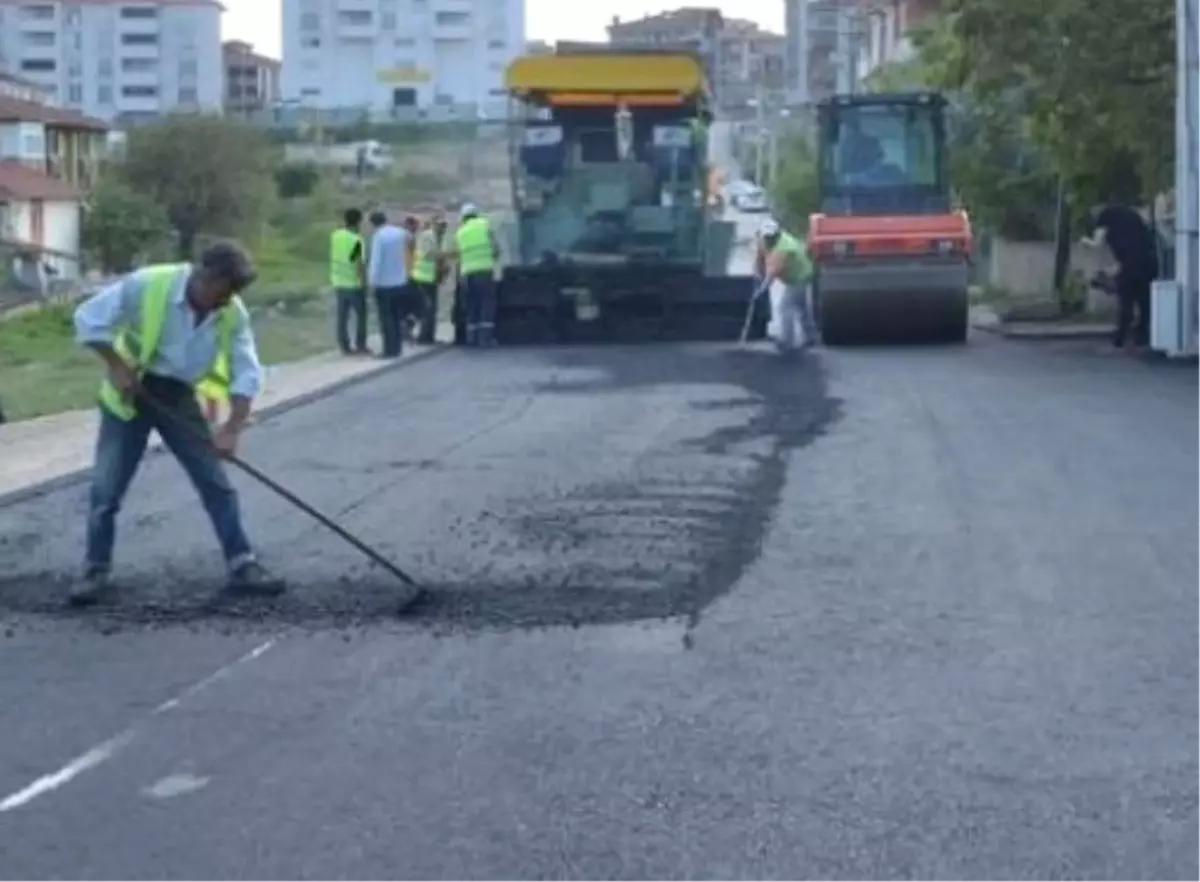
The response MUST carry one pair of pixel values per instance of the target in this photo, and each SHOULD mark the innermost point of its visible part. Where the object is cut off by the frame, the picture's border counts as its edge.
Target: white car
(751, 201)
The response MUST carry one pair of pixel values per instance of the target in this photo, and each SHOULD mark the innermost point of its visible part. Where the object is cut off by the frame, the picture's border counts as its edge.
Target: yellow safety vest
(474, 239)
(799, 266)
(343, 272)
(425, 267)
(137, 347)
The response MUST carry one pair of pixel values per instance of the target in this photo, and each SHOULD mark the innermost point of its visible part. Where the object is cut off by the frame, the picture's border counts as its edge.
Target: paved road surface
(696, 613)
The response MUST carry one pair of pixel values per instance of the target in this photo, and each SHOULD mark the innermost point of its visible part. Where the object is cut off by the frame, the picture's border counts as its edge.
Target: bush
(121, 226)
(292, 181)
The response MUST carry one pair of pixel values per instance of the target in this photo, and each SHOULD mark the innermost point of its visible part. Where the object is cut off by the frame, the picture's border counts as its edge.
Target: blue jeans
(479, 290)
(120, 447)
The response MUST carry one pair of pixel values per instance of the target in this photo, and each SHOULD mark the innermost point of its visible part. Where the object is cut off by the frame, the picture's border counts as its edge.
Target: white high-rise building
(386, 55)
(116, 59)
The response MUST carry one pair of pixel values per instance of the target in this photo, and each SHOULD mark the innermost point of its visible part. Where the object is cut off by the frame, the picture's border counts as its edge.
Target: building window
(188, 68)
(310, 42)
(451, 19)
(310, 21)
(387, 21)
(188, 95)
(39, 65)
(310, 93)
(40, 39)
(139, 39)
(104, 94)
(33, 142)
(356, 17)
(405, 42)
(139, 12)
(75, 93)
(139, 65)
(37, 13)
(497, 44)
(139, 91)
(104, 67)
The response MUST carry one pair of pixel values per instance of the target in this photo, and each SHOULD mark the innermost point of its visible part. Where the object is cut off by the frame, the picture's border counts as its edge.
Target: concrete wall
(1025, 270)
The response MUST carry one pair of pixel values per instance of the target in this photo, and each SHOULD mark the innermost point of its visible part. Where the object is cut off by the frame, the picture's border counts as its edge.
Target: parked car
(752, 200)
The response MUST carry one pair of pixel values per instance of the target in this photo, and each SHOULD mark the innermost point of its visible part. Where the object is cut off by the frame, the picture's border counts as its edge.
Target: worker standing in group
(159, 331)
(347, 277)
(426, 265)
(783, 265)
(387, 280)
(478, 255)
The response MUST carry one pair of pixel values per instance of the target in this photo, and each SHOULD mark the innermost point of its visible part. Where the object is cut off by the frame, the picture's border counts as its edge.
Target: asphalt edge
(68, 479)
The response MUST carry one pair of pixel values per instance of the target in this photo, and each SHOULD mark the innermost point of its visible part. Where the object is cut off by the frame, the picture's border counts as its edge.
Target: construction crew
(347, 277)
(785, 269)
(159, 331)
(425, 277)
(478, 255)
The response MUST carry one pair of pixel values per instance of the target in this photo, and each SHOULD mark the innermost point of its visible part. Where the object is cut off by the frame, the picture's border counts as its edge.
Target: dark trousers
(425, 295)
(1133, 308)
(390, 304)
(479, 294)
(120, 446)
(352, 301)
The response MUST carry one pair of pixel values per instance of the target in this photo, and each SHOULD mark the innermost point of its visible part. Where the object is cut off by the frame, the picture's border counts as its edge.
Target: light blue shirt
(186, 350)
(388, 264)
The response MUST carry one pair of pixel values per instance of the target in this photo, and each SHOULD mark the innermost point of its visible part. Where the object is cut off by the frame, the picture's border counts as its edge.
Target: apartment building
(116, 59)
(394, 57)
(742, 59)
(822, 49)
(884, 26)
(251, 79)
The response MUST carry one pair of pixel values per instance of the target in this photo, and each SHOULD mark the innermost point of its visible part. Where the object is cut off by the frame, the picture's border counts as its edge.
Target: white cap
(770, 227)
(468, 208)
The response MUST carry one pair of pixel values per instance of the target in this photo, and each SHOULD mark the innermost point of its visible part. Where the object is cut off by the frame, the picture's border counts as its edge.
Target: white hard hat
(468, 209)
(770, 227)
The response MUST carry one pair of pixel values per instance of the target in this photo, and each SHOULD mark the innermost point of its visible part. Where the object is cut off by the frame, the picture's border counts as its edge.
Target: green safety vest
(799, 266)
(343, 272)
(474, 239)
(137, 347)
(425, 267)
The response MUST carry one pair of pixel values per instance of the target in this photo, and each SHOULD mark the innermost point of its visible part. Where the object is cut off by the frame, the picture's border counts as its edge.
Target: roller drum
(923, 300)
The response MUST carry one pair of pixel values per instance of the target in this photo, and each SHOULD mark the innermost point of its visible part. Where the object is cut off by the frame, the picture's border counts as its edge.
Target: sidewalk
(984, 318)
(60, 445)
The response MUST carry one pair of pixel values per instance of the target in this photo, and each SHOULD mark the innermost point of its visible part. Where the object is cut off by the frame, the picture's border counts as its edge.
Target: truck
(891, 252)
(613, 238)
(375, 156)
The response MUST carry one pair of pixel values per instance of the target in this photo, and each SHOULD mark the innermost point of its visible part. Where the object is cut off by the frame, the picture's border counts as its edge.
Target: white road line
(106, 750)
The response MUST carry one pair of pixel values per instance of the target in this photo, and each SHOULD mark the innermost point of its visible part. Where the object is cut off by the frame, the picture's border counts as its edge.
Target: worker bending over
(160, 331)
(478, 255)
(783, 265)
(1134, 246)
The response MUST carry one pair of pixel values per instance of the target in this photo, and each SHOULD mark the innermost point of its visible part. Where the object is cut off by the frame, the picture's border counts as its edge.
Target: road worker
(783, 265)
(425, 277)
(160, 331)
(347, 277)
(478, 256)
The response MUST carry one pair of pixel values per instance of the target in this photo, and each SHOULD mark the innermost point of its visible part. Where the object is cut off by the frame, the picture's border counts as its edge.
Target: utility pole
(1179, 303)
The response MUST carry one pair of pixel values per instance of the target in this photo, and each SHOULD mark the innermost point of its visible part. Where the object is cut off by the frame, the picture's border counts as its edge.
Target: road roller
(891, 253)
(614, 239)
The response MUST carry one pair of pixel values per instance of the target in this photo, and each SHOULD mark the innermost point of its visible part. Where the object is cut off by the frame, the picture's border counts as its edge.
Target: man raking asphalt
(160, 331)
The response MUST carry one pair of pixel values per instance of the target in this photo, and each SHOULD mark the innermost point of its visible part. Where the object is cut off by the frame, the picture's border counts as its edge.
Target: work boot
(253, 578)
(94, 586)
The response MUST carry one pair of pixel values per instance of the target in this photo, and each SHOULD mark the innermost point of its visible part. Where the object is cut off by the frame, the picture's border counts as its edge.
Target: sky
(258, 21)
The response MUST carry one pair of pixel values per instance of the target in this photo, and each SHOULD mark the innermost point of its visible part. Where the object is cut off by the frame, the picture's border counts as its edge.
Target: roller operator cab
(614, 235)
(891, 253)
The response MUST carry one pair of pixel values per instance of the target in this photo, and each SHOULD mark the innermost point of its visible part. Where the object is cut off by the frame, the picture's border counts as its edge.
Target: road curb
(68, 479)
(1016, 333)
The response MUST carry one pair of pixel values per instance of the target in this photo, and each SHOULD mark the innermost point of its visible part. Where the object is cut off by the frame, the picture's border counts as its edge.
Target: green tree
(211, 175)
(120, 224)
(795, 191)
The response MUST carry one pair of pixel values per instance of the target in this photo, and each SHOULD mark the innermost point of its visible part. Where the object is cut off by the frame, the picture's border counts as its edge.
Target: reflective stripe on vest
(475, 247)
(137, 348)
(799, 268)
(343, 271)
(425, 267)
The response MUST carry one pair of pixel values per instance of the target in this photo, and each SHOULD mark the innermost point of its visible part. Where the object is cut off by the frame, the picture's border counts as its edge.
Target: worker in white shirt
(387, 280)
